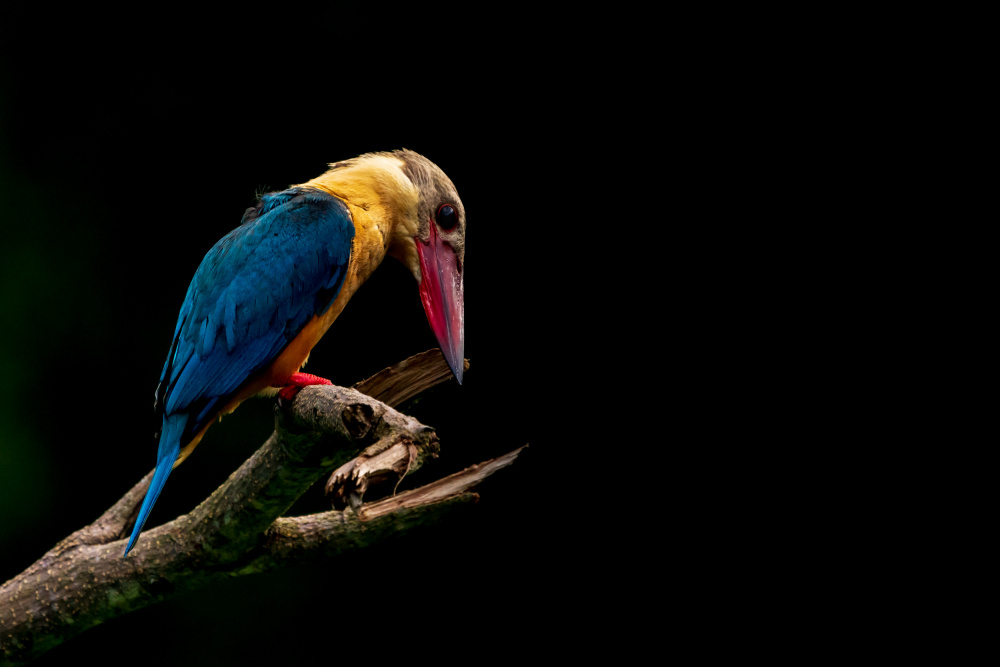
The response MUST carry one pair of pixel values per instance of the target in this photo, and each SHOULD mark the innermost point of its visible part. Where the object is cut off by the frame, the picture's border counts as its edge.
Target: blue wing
(253, 293)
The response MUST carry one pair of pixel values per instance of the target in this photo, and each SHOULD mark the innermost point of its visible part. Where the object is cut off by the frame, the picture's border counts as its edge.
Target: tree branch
(237, 530)
(332, 533)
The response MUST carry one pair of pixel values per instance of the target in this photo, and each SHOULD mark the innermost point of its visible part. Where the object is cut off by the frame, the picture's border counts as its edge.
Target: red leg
(296, 382)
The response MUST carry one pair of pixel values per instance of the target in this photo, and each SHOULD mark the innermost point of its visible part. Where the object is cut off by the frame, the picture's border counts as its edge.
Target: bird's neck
(383, 203)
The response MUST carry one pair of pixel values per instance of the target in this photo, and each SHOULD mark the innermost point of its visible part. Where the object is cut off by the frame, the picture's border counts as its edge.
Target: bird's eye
(447, 217)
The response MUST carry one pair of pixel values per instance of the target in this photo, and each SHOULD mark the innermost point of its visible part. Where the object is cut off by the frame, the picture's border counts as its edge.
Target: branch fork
(353, 433)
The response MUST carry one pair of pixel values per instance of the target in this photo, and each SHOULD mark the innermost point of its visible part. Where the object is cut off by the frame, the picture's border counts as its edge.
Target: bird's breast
(368, 249)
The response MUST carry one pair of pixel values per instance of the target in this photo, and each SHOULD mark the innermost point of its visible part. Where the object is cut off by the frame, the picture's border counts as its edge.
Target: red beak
(441, 290)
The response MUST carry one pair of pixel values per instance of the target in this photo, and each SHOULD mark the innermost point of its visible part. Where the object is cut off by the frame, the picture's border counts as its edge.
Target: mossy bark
(239, 529)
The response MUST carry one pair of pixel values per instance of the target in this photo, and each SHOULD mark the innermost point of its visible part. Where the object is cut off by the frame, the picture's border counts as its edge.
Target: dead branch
(239, 529)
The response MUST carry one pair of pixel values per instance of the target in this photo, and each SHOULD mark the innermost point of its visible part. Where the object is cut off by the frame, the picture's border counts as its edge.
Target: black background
(117, 176)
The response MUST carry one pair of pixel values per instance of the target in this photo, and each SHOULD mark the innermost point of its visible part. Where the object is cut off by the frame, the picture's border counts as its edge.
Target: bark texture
(239, 529)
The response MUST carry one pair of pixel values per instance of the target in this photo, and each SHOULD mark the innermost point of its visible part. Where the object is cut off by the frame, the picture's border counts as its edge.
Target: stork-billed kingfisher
(267, 292)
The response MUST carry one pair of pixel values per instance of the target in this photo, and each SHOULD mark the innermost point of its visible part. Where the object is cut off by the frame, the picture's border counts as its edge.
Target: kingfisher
(266, 293)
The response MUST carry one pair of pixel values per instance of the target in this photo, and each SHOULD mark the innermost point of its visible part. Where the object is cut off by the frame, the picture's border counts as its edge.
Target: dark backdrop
(117, 176)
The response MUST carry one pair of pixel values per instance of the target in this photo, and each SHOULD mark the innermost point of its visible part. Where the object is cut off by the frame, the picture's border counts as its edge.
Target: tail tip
(128, 547)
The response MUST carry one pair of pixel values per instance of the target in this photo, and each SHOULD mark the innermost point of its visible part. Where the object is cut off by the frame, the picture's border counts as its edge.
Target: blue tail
(170, 447)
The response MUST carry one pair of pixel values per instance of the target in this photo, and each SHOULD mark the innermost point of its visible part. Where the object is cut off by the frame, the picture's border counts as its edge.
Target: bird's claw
(295, 384)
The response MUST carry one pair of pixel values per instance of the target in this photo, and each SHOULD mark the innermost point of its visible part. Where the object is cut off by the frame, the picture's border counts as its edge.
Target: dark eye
(447, 217)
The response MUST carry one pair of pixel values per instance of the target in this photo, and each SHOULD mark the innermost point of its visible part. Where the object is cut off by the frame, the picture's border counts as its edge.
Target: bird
(265, 294)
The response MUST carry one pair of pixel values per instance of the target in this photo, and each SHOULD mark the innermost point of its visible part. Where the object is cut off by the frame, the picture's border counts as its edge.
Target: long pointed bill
(441, 290)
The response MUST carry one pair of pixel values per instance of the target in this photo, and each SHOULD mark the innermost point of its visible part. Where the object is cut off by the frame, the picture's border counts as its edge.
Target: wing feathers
(255, 291)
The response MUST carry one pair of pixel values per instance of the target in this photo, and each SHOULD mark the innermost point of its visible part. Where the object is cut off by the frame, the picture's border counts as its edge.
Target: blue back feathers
(253, 293)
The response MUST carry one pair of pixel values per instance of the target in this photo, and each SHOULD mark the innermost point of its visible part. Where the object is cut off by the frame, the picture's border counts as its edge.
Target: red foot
(296, 382)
